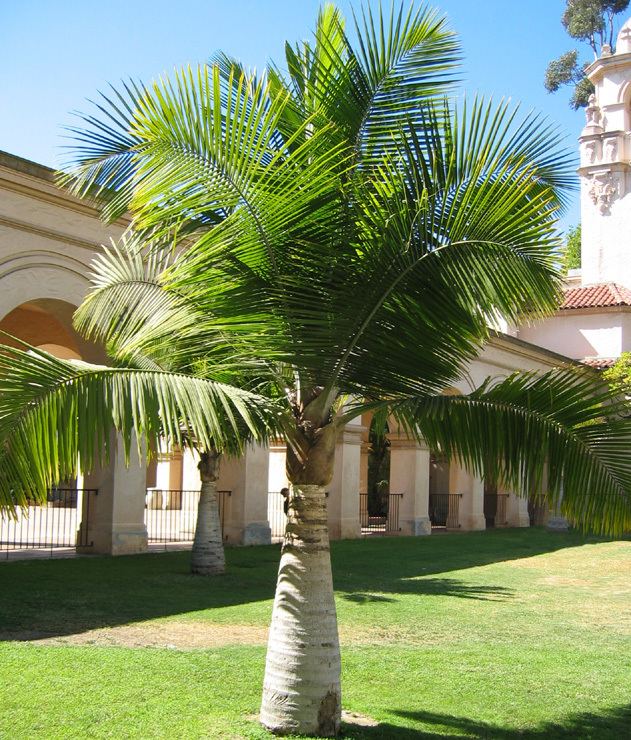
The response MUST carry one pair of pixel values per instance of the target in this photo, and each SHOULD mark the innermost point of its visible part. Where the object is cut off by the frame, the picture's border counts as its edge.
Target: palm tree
(122, 311)
(347, 228)
(151, 384)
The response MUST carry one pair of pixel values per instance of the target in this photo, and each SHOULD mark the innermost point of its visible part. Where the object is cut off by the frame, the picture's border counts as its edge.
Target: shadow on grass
(435, 587)
(609, 723)
(62, 597)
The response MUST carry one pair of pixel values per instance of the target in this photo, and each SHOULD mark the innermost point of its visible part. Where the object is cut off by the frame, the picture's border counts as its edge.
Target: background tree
(619, 376)
(590, 21)
(571, 251)
(346, 229)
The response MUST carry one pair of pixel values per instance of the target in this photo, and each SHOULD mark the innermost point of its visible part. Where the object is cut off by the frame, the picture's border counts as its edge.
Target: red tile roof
(599, 363)
(599, 295)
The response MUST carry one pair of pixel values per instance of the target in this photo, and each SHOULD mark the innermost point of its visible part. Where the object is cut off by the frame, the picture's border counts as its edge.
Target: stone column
(343, 491)
(517, 511)
(363, 465)
(277, 464)
(175, 469)
(472, 500)
(113, 520)
(409, 475)
(245, 518)
(556, 522)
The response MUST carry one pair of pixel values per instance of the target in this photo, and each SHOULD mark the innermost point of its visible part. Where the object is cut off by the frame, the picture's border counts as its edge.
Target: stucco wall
(579, 334)
(47, 238)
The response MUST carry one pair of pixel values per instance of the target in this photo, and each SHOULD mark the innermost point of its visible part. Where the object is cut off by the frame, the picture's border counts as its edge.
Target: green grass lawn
(503, 634)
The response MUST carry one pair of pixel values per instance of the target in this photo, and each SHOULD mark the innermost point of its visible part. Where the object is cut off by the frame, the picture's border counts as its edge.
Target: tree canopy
(571, 252)
(619, 375)
(590, 21)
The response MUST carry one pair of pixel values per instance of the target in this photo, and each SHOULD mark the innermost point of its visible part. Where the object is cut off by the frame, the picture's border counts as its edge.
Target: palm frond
(371, 91)
(565, 421)
(101, 161)
(451, 235)
(56, 416)
(406, 59)
(130, 310)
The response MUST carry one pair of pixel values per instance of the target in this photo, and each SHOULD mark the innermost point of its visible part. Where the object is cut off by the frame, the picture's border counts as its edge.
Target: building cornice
(596, 70)
(57, 236)
(603, 168)
(26, 166)
(511, 344)
(586, 310)
(36, 181)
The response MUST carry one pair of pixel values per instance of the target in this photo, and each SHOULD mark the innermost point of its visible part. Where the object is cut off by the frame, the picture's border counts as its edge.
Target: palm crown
(343, 231)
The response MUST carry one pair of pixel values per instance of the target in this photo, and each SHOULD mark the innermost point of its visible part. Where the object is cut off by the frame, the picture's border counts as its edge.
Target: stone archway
(103, 510)
(46, 323)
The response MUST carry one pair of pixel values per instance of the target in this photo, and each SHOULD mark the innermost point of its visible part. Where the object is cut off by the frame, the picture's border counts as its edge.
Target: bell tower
(605, 168)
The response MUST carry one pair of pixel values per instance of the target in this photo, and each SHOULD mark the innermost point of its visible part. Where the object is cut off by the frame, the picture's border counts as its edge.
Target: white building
(594, 322)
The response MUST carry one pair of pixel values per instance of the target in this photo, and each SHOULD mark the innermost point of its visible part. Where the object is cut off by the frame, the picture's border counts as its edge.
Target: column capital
(352, 434)
(401, 441)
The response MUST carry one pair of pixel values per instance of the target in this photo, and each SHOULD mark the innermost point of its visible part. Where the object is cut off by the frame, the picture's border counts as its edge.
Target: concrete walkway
(70, 552)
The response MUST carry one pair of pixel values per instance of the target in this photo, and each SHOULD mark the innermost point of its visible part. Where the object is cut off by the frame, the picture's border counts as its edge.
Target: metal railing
(386, 521)
(276, 514)
(495, 509)
(49, 526)
(171, 514)
(537, 512)
(444, 510)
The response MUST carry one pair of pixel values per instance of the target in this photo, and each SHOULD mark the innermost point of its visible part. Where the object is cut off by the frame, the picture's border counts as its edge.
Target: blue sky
(55, 54)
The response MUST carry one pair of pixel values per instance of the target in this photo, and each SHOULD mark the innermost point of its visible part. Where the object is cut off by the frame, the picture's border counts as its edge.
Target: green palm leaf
(564, 421)
(130, 310)
(405, 60)
(56, 416)
(371, 91)
(101, 160)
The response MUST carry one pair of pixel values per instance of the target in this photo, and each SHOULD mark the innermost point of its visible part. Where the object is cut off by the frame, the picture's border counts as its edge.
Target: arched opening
(625, 99)
(378, 468)
(46, 323)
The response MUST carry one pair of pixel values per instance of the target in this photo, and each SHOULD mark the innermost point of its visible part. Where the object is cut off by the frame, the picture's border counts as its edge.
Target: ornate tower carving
(605, 168)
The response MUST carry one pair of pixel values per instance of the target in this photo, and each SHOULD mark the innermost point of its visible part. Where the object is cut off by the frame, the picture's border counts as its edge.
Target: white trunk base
(207, 555)
(301, 691)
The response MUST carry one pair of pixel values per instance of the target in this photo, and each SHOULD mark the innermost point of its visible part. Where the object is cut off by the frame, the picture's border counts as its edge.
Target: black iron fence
(444, 510)
(384, 522)
(537, 512)
(495, 505)
(51, 525)
(171, 514)
(276, 514)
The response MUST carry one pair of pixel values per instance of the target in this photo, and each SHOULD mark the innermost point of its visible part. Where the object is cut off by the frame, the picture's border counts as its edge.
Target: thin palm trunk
(207, 556)
(301, 692)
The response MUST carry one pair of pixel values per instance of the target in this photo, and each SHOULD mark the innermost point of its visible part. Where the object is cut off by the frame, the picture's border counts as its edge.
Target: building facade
(593, 324)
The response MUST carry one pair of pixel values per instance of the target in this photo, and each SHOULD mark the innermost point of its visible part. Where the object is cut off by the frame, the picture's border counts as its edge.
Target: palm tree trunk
(301, 691)
(207, 556)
